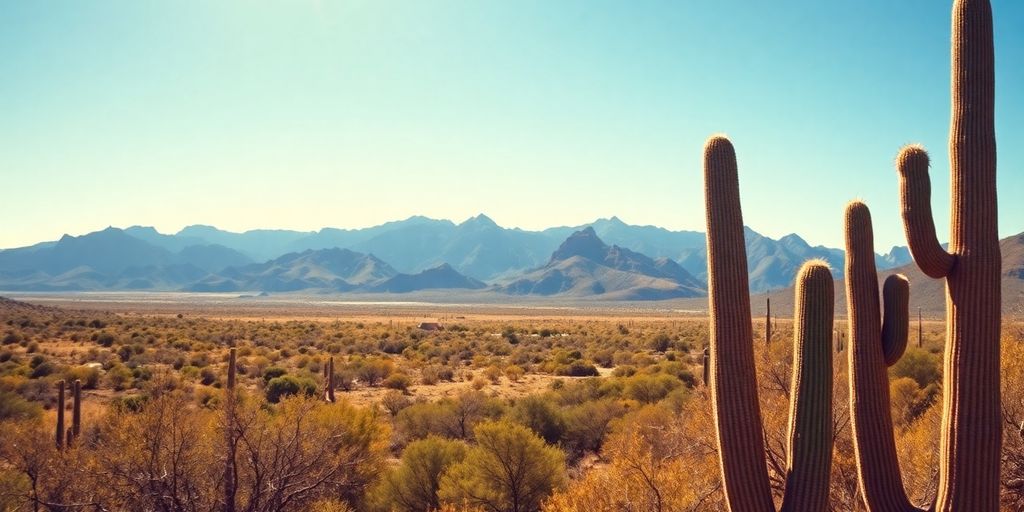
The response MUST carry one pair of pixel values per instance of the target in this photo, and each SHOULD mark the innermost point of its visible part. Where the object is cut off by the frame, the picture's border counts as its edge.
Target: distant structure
(430, 326)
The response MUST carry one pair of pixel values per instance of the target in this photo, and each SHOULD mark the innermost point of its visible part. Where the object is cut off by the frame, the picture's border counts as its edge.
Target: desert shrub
(89, 376)
(920, 365)
(398, 381)
(430, 375)
(577, 369)
(493, 373)
(603, 358)
(14, 407)
(413, 485)
(119, 377)
(394, 401)
(514, 373)
(660, 343)
(273, 372)
(287, 385)
(372, 372)
(531, 470)
(43, 369)
(650, 388)
(587, 425)
(129, 403)
(105, 339)
(540, 415)
(207, 376)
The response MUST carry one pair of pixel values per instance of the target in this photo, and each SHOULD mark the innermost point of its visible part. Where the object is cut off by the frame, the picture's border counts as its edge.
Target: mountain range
(607, 258)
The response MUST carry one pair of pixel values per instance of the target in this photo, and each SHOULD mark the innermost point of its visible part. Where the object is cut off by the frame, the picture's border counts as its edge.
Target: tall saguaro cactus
(733, 376)
(969, 458)
(969, 448)
(971, 427)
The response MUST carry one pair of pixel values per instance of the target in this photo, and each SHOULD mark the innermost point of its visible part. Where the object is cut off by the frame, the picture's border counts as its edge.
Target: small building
(430, 326)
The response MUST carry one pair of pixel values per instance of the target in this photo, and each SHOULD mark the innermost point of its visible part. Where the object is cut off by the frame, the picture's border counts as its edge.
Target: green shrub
(280, 387)
(14, 407)
(397, 381)
(273, 372)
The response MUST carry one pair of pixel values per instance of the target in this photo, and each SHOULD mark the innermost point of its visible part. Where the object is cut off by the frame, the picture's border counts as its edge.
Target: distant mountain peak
(585, 243)
(480, 220)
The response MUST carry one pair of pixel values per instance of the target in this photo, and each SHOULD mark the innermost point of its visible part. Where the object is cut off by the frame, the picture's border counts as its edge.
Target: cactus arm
(915, 205)
(733, 379)
(809, 459)
(896, 320)
(878, 467)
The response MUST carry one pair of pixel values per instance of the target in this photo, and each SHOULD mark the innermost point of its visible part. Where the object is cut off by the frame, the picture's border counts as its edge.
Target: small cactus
(230, 434)
(60, 414)
(329, 396)
(706, 365)
(76, 412)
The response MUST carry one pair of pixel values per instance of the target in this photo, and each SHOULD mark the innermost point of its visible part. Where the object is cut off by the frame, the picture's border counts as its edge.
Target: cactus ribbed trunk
(76, 411)
(230, 475)
(971, 430)
(60, 414)
(733, 379)
(706, 366)
(809, 459)
(732, 374)
(330, 380)
(871, 418)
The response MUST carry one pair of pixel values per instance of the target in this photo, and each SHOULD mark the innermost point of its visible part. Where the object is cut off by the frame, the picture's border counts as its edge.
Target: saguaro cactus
(329, 377)
(76, 412)
(230, 435)
(733, 378)
(874, 347)
(969, 448)
(768, 321)
(706, 367)
(60, 414)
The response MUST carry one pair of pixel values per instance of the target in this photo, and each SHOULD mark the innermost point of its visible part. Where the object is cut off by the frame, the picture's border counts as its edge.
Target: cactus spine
(969, 448)
(60, 414)
(732, 375)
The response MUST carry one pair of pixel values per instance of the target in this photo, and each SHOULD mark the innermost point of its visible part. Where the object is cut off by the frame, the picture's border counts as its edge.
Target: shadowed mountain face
(477, 248)
(110, 259)
(327, 269)
(584, 265)
(441, 277)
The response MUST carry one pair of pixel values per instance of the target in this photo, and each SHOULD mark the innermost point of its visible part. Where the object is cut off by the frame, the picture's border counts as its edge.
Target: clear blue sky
(304, 114)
